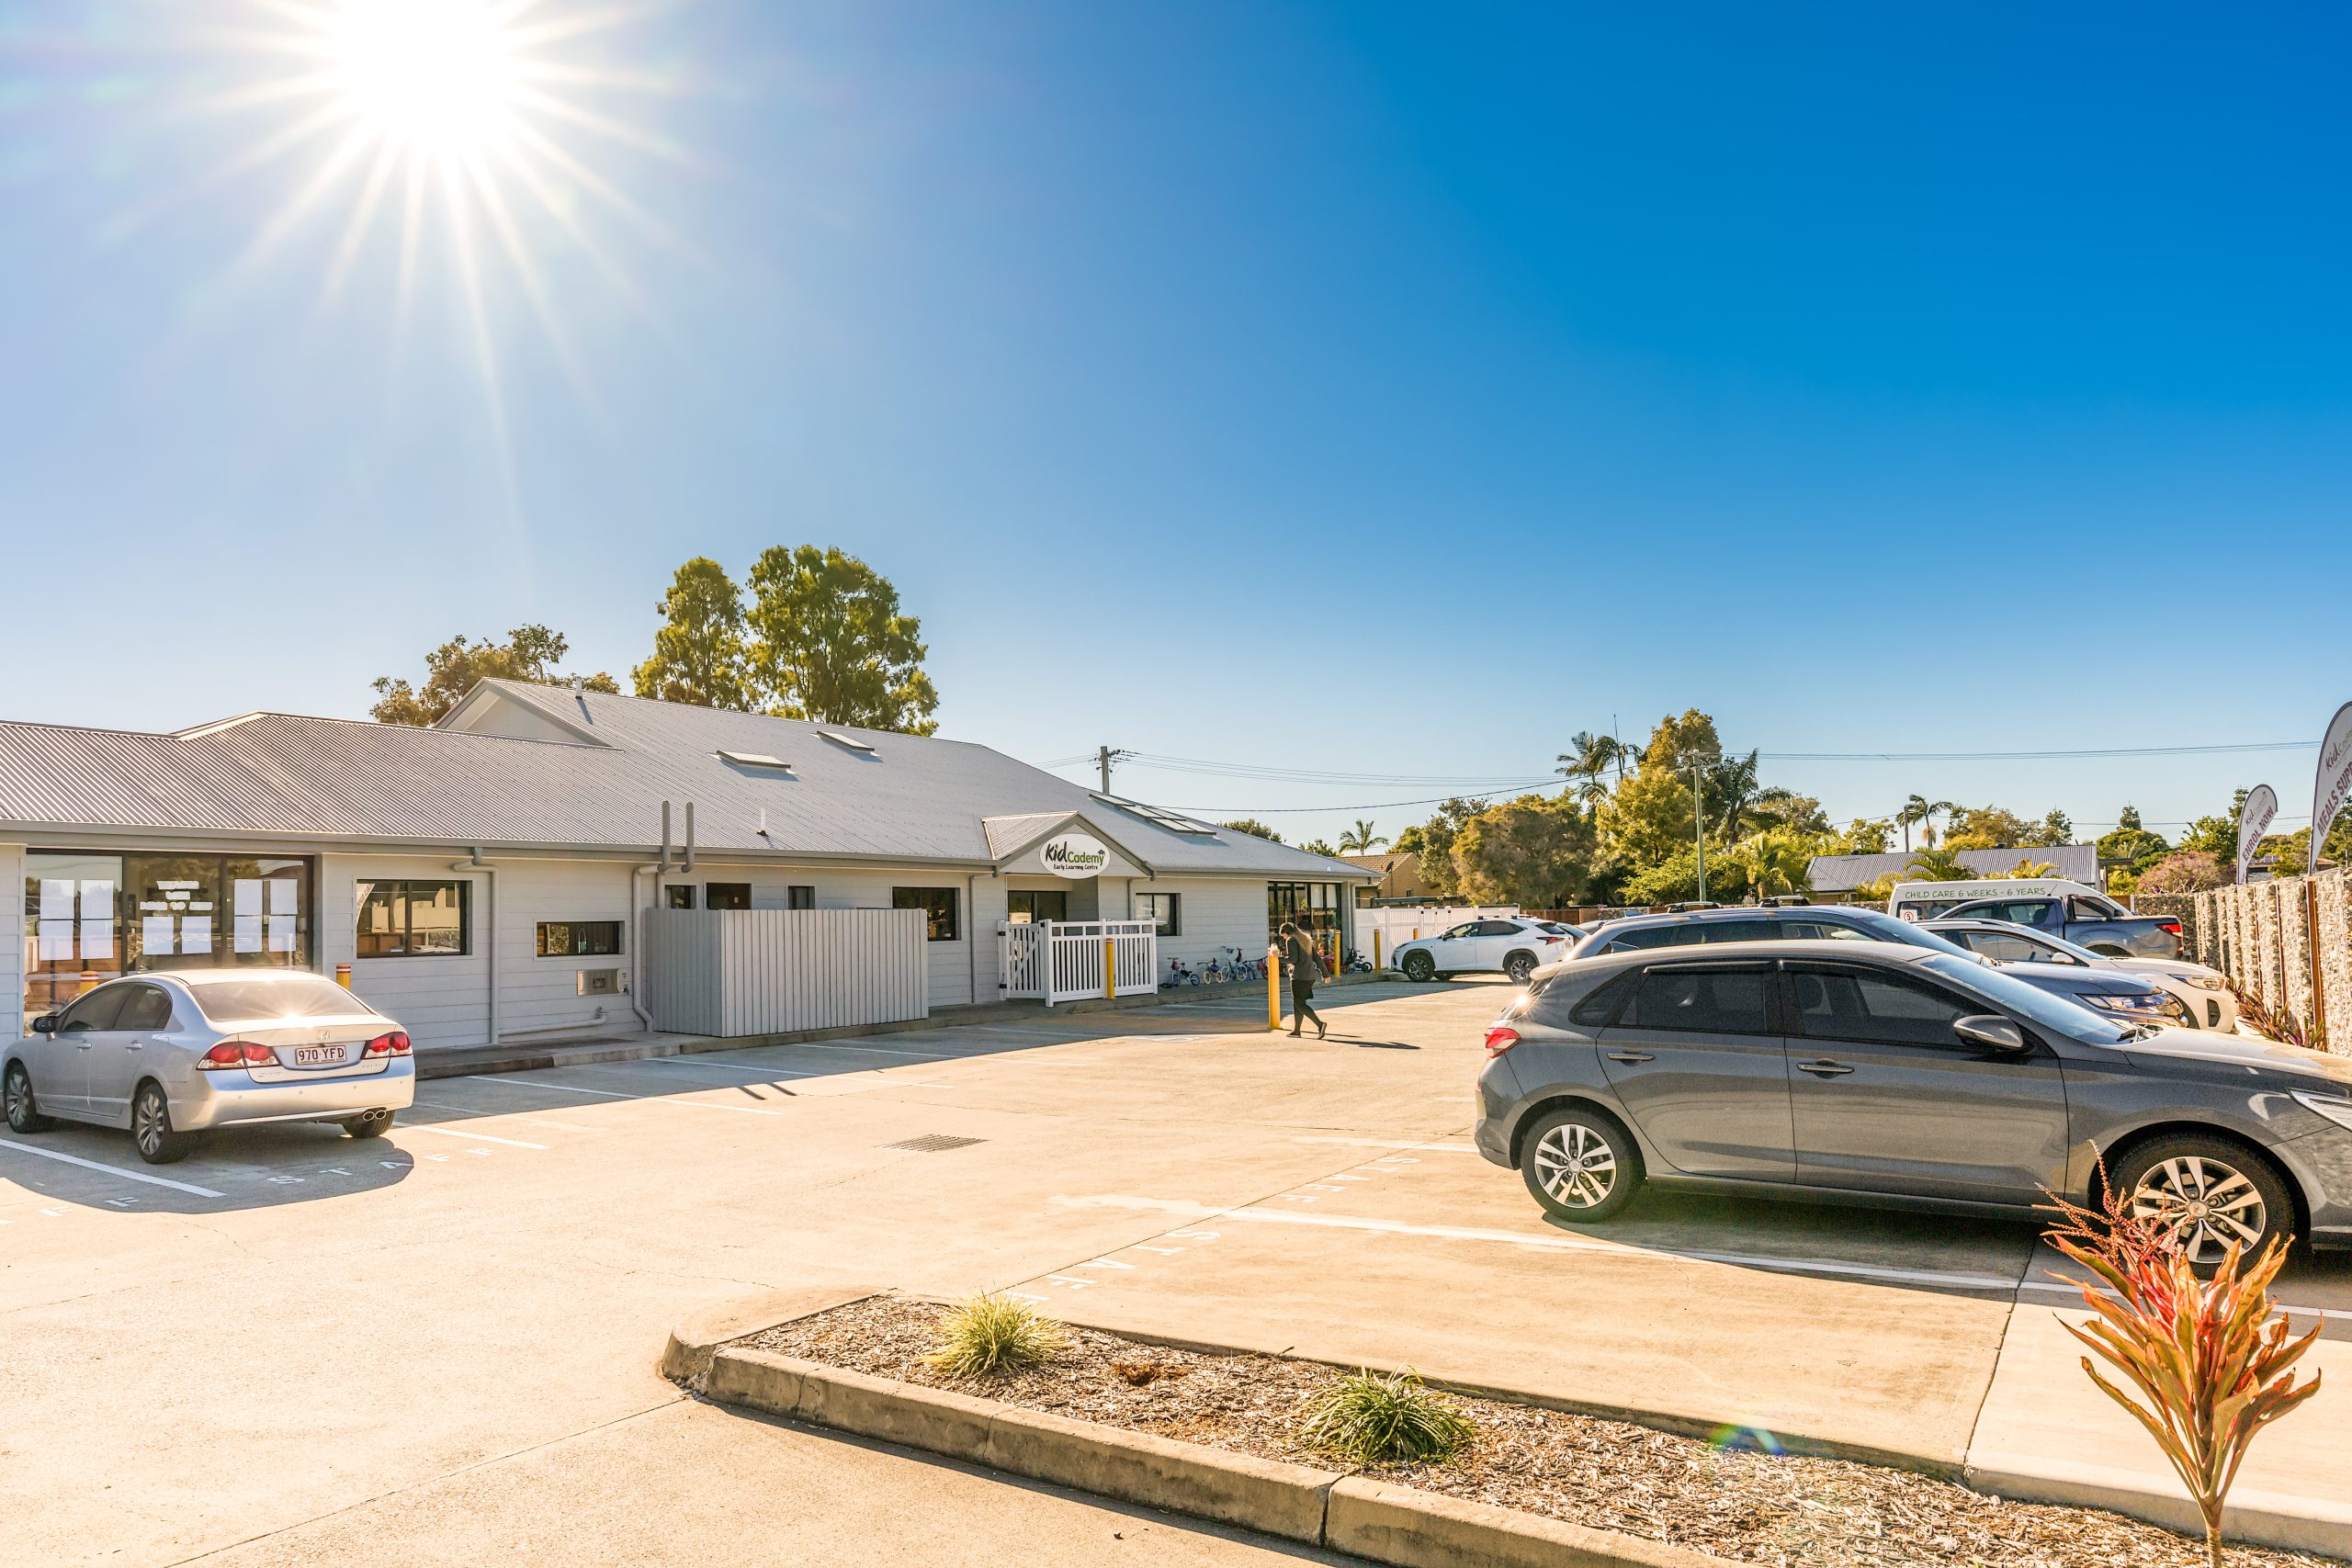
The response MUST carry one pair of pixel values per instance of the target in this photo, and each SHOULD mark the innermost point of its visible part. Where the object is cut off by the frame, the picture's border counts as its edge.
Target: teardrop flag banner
(2253, 821)
(2334, 779)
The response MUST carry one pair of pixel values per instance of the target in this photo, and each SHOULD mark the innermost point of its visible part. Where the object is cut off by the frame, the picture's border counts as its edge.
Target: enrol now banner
(1076, 856)
(2253, 821)
(2334, 778)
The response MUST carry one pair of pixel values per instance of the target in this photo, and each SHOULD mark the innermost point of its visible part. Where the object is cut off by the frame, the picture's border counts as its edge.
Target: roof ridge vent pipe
(664, 866)
(690, 836)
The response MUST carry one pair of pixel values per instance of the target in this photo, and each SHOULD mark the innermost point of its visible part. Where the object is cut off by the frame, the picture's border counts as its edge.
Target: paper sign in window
(56, 901)
(98, 901)
(155, 934)
(247, 895)
(246, 933)
(196, 933)
(57, 942)
(282, 894)
(281, 933)
(97, 941)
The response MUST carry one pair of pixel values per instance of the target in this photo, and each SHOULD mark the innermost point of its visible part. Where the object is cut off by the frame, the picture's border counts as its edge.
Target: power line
(2033, 756)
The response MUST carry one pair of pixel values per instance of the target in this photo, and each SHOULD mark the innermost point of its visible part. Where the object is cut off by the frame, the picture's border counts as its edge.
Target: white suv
(1514, 944)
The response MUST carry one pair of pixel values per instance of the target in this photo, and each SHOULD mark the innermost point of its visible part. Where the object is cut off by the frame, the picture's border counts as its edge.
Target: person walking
(1298, 957)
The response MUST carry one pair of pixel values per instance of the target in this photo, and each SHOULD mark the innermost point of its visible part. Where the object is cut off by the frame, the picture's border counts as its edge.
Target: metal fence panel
(740, 972)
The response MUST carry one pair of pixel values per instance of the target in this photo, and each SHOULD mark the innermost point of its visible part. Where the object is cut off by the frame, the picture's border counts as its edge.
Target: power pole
(1699, 820)
(1103, 757)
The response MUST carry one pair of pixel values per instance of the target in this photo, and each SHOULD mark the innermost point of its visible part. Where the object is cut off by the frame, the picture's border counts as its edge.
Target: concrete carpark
(439, 1347)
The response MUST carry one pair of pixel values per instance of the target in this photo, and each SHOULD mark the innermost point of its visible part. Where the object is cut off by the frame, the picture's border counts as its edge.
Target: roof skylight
(853, 742)
(754, 759)
(1173, 821)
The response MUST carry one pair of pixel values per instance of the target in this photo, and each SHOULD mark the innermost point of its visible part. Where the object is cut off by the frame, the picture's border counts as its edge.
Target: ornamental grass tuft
(1385, 1420)
(990, 1334)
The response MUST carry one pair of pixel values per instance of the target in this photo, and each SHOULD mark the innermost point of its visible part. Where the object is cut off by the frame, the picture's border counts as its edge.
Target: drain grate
(934, 1143)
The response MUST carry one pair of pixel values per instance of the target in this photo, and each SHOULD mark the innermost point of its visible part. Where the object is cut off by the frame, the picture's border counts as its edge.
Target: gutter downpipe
(972, 924)
(488, 874)
(636, 923)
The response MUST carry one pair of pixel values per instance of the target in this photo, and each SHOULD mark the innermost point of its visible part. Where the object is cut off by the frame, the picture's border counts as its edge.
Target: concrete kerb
(1382, 1522)
(2253, 1516)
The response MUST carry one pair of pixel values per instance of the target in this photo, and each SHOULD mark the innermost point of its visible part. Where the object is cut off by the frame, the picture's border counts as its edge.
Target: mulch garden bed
(1775, 1509)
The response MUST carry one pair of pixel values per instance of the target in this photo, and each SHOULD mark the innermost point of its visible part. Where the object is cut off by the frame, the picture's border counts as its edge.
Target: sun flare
(437, 75)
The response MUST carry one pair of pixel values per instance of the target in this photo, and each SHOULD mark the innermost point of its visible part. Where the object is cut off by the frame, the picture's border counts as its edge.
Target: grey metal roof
(1836, 874)
(913, 798)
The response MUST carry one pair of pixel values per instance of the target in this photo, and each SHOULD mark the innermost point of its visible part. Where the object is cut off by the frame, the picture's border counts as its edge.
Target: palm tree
(2027, 868)
(1919, 808)
(1359, 839)
(1937, 865)
(1775, 861)
(1732, 782)
(1584, 766)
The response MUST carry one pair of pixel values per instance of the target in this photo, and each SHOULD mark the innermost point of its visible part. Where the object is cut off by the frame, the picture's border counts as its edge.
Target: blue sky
(1321, 386)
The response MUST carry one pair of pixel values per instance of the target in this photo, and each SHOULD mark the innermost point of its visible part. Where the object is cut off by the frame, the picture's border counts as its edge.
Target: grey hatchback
(1903, 1075)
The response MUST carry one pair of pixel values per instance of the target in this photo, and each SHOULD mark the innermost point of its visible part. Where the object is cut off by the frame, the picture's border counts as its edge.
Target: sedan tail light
(236, 1054)
(1548, 940)
(392, 1044)
(1499, 1039)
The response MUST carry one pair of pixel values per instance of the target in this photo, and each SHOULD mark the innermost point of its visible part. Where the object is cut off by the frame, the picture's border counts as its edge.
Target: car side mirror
(1991, 1031)
(45, 1024)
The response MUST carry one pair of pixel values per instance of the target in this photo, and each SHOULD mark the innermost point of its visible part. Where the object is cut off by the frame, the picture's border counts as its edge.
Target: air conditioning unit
(601, 982)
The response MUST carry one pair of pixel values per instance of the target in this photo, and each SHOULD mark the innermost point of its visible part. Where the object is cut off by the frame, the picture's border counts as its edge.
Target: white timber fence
(1068, 961)
(738, 971)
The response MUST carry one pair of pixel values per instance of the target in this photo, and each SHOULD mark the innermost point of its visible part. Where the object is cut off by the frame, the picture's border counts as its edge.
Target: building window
(414, 920)
(681, 895)
(727, 895)
(938, 905)
(800, 898)
(1162, 908)
(579, 938)
(1023, 907)
(104, 915)
(1309, 906)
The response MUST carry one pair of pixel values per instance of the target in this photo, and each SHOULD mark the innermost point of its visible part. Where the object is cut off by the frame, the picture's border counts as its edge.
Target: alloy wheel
(18, 1093)
(151, 1123)
(1575, 1165)
(2207, 1202)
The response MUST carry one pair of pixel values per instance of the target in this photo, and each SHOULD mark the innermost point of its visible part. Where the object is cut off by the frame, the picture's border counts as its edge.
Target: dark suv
(1908, 1076)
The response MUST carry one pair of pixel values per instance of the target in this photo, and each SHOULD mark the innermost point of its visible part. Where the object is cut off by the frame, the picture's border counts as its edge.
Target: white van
(1927, 900)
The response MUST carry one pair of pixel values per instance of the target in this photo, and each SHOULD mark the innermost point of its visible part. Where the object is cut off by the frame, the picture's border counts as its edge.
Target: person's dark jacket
(1299, 957)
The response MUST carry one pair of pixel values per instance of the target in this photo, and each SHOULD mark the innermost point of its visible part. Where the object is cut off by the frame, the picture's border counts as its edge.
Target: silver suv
(1906, 1077)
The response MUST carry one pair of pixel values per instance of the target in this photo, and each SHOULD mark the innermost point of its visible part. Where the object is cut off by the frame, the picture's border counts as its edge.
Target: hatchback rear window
(291, 996)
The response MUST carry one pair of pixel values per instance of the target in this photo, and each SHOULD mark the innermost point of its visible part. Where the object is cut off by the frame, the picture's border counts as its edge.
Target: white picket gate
(1066, 961)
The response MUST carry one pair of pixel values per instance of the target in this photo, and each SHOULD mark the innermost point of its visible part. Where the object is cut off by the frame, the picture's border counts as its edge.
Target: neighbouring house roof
(592, 779)
(1837, 873)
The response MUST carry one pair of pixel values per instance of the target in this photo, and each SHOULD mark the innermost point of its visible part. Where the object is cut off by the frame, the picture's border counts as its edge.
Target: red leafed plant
(2211, 1360)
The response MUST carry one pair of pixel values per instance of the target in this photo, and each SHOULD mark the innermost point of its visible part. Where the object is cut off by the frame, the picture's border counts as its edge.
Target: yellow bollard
(1274, 989)
(1377, 966)
(1110, 970)
(343, 975)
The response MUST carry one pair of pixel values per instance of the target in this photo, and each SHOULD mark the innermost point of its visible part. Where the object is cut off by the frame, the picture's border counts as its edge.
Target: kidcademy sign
(2334, 779)
(1076, 856)
(2253, 821)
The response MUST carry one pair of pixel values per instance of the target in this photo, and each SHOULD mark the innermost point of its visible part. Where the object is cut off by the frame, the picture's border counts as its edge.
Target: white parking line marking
(112, 1169)
(469, 1137)
(640, 1099)
(1392, 1143)
(508, 1115)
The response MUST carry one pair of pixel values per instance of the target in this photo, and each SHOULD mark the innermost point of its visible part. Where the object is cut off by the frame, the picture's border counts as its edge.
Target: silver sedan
(170, 1056)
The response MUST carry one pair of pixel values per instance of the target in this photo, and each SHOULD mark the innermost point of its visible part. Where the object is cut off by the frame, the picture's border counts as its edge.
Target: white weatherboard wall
(12, 941)
(1214, 914)
(947, 965)
(441, 1002)
(739, 972)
